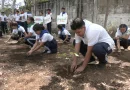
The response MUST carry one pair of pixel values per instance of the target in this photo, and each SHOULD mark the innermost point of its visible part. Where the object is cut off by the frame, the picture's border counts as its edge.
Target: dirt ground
(51, 71)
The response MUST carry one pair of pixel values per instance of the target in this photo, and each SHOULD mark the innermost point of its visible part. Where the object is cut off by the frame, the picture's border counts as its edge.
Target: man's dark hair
(14, 24)
(60, 27)
(31, 19)
(17, 11)
(63, 8)
(77, 23)
(38, 27)
(123, 26)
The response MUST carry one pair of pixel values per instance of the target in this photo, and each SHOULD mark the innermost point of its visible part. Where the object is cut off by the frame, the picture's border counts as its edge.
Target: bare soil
(51, 71)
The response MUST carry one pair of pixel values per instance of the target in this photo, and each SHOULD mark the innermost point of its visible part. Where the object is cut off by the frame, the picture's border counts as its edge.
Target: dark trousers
(25, 26)
(19, 23)
(49, 27)
(52, 45)
(30, 41)
(3, 27)
(22, 24)
(100, 50)
(123, 42)
(63, 37)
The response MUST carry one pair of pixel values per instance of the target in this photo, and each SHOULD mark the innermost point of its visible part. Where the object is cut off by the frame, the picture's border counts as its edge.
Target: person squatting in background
(43, 38)
(31, 35)
(122, 37)
(64, 34)
(17, 33)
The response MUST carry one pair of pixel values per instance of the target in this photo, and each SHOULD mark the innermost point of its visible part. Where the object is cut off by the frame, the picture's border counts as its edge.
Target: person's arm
(125, 36)
(28, 35)
(65, 39)
(38, 47)
(76, 54)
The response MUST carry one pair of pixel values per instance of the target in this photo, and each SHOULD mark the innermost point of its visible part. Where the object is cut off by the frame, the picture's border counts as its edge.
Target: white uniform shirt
(65, 14)
(94, 34)
(46, 37)
(30, 30)
(118, 33)
(3, 17)
(22, 16)
(21, 29)
(11, 17)
(17, 17)
(64, 32)
(27, 15)
(15, 31)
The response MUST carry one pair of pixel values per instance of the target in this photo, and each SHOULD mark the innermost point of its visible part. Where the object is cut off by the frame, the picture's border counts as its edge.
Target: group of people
(91, 40)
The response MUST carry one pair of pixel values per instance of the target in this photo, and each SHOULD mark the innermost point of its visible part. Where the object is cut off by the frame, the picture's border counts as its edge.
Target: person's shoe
(48, 52)
(92, 61)
(45, 51)
(119, 51)
(126, 49)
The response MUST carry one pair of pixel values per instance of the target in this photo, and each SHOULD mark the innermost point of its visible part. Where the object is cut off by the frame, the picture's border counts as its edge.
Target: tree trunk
(3, 1)
(107, 13)
(95, 11)
(13, 5)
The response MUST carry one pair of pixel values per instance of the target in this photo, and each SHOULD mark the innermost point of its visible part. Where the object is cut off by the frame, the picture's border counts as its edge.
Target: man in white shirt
(43, 38)
(63, 13)
(31, 36)
(64, 34)
(3, 20)
(122, 37)
(17, 17)
(49, 24)
(90, 39)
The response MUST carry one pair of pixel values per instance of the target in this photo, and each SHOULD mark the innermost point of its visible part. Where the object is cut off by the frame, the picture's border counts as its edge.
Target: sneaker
(45, 51)
(126, 49)
(48, 52)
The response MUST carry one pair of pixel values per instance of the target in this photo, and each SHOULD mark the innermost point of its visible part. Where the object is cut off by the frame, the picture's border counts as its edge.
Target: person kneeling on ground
(18, 32)
(31, 36)
(43, 38)
(90, 39)
(64, 34)
(122, 37)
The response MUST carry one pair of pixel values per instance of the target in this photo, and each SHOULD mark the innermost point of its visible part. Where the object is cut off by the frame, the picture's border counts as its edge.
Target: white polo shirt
(30, 30)
(3, 17)
(17, 17)
(46, 37)
(118, 33)
(94, 34)
(15, 31)
(64, 32)
(21, 29)
(22, 16)
(65, 14)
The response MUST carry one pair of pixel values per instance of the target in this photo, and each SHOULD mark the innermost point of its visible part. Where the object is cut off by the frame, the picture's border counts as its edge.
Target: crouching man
(90, 38)
(43, 38)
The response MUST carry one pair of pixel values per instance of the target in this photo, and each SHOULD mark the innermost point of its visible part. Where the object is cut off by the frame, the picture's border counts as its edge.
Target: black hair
(38, 27)
(77, 23)
(123, 26)
(63, 8)
(31, 19)
(48, 9)
(14, 24)
(60, 27)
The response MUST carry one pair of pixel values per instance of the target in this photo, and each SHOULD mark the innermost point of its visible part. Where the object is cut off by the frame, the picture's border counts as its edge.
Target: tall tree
(3, 1)
(13, 5)
(107, 13)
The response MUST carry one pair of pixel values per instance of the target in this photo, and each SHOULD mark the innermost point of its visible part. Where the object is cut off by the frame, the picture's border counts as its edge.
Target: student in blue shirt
(64, 34)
